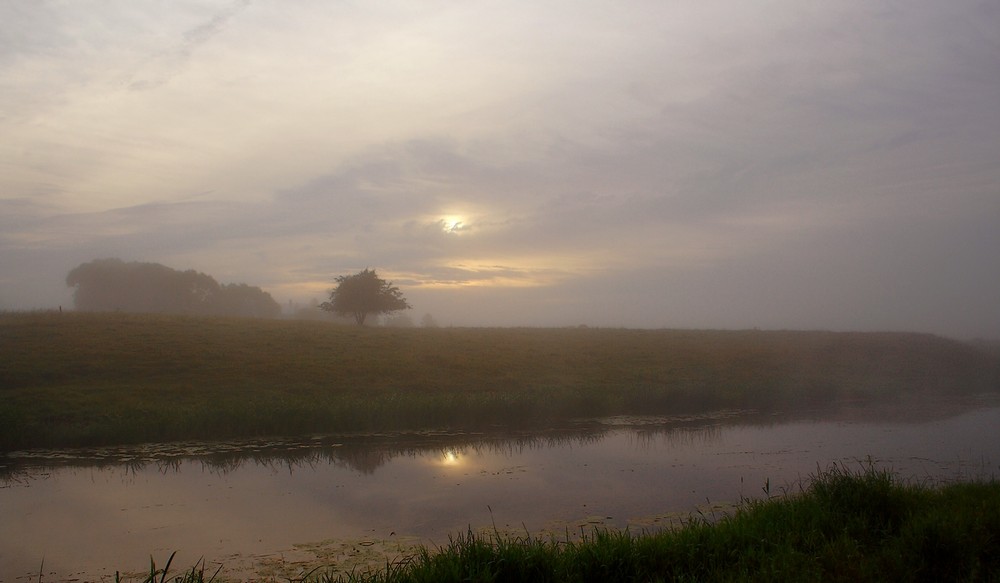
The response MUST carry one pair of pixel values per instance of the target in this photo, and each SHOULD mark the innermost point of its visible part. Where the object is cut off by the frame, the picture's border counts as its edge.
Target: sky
(671, 163)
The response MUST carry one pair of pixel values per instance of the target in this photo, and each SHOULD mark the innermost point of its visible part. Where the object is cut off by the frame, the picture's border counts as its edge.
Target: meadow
(80, 379)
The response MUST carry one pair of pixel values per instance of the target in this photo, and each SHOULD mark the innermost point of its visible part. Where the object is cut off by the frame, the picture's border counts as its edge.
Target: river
(280, 507)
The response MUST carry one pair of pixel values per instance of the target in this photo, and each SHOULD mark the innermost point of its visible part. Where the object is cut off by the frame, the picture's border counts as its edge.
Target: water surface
(280, 505)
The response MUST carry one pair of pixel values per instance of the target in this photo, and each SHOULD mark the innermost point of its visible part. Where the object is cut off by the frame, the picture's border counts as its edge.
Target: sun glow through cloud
(536, 154)
(453, 224)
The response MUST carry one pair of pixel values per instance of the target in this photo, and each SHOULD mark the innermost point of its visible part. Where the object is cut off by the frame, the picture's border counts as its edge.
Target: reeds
(195, 574)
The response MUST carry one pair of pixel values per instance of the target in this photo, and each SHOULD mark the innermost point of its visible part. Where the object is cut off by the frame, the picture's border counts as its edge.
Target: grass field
(843, 526)
(69, 379)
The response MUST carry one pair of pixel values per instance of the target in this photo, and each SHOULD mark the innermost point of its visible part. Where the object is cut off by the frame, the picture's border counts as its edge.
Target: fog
(646, 164)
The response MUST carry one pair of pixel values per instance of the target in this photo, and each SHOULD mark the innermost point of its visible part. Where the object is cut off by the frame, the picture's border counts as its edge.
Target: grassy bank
(844, 527)
(85, 379)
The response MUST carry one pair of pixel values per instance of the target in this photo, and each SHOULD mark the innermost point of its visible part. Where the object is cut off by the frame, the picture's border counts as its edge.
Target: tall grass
(108, 378)
(843, 526)
(195, 574)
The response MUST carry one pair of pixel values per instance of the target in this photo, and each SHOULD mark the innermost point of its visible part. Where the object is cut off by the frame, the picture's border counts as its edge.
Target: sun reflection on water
(451, 458)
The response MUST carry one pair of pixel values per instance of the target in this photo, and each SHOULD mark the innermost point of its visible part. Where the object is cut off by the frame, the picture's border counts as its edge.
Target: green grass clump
(111, 378)
(844, 526)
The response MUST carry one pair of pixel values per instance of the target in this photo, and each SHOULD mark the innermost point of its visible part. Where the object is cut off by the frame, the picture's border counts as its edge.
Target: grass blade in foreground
(843, 527)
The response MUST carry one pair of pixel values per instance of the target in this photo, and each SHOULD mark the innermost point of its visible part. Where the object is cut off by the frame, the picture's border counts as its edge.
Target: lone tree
(364, 293)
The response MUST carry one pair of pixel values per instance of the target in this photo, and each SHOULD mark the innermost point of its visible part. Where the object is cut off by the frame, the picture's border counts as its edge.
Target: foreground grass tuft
(843, 526)
(195, 575)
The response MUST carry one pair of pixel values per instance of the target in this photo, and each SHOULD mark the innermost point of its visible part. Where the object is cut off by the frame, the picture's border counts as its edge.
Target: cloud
(164, 64)
(688, 163)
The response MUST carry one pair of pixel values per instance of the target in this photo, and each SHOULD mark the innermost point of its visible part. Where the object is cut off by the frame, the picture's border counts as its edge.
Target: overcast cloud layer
(717, 164)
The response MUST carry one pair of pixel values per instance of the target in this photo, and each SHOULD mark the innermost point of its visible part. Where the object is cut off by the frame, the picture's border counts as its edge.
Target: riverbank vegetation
(843, 526)
(72, 379)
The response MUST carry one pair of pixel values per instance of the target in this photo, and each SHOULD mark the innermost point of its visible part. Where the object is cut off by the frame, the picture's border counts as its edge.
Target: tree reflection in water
(264, 498)
(364, 453)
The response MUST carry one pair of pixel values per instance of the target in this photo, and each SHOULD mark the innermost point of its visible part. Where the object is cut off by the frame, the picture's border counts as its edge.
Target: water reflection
(364, 453)
(451, 458)
(268, 501)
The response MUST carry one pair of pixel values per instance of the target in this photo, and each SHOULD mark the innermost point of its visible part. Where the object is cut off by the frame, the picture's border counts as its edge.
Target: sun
(452, 224)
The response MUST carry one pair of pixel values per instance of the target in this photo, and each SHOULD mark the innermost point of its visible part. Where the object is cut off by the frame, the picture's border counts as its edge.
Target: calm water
(274, 507)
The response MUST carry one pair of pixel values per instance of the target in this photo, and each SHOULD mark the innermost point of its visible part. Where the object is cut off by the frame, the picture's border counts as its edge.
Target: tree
(112, 284)
(364, 293)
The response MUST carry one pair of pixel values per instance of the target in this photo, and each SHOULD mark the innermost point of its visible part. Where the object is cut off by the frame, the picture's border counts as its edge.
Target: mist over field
(639, 164)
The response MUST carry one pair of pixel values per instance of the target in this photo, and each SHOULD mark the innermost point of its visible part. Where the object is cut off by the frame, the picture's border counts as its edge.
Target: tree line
(116, 285)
